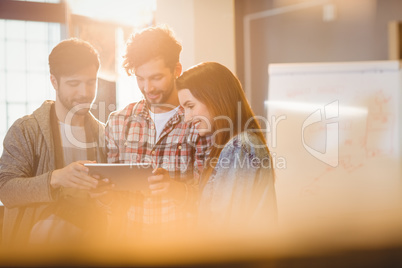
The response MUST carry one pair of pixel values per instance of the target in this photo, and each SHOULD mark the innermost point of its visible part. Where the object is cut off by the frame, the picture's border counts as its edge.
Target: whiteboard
(334, 131)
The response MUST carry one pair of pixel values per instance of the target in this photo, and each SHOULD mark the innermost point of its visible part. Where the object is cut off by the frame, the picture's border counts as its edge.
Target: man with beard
(152, 131)
(44, 184)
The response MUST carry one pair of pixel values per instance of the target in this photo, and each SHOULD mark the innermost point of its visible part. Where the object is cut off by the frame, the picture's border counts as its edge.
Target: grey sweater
(26, 165)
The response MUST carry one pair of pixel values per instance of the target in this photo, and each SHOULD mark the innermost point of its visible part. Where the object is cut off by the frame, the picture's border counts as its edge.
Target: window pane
(15, 111)
(2, 87)
(3, 123)
(36, 31)
(15, 56)
(15, 30)
(2, 56)
(32, 106)
(53, 34)
(37, 87)
(37, 57)
(50, 92)
(16, 85)
(2, 29)
(24, 71)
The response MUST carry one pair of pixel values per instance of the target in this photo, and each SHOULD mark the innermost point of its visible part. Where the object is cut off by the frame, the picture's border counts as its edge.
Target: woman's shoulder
(245, 151)
(248, 142)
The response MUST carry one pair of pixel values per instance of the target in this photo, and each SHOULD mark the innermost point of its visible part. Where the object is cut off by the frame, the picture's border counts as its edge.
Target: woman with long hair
(237, 183)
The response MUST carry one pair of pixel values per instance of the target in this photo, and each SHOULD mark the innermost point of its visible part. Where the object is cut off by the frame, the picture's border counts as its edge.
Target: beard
(76, 106)
(163, 99)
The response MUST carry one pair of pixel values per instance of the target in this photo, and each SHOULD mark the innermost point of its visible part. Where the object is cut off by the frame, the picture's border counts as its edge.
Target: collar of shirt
(141, 109)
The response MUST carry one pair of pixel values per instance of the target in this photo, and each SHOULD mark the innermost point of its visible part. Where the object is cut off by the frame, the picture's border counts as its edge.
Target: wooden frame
(395, 40)
(33, 11)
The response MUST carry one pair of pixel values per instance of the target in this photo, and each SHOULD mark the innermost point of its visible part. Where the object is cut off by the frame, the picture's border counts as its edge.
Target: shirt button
(125, 144)
(152, 127)
(179, 147)
(153, 152)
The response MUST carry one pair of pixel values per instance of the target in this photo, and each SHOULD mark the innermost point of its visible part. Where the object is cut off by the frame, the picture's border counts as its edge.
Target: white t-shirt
(160, 119)
(73, 142)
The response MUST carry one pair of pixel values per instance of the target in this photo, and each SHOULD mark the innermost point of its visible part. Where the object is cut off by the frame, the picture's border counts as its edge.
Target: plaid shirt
(131, 138)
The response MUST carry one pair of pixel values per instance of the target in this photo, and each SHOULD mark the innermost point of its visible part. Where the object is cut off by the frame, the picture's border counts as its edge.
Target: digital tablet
(125, 177)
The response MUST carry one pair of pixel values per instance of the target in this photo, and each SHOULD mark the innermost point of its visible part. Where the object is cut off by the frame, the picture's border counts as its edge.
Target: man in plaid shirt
(153, 131)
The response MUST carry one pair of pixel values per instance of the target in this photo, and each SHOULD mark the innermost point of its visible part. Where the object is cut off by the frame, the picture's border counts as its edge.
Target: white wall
(205, 28)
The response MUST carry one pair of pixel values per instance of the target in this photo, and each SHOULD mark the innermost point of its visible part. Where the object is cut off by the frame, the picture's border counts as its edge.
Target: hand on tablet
(162, 184)
(74, 175)
(102, 192)
(104, 185)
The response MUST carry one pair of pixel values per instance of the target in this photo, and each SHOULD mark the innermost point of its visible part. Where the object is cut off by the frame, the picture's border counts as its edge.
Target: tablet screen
(125, 177)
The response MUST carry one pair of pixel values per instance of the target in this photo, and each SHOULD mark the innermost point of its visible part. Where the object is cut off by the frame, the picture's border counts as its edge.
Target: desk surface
(371, 242)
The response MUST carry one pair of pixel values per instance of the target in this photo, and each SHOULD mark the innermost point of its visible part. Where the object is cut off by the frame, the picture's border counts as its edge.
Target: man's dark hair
(72, 55)
(151, 43)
